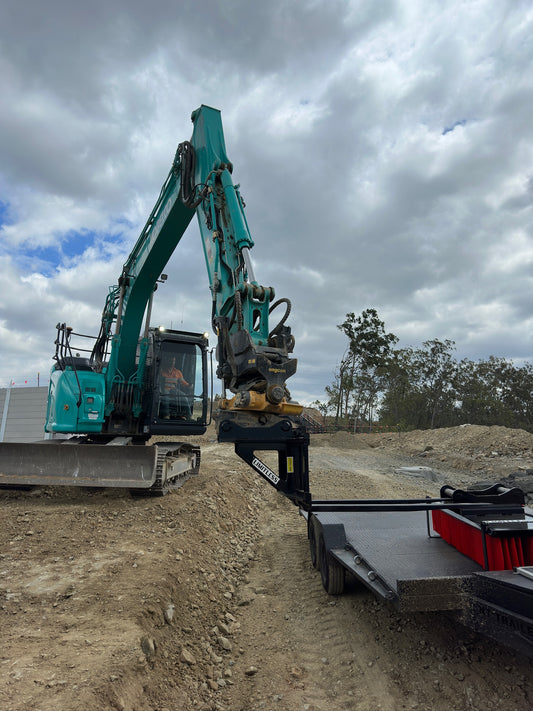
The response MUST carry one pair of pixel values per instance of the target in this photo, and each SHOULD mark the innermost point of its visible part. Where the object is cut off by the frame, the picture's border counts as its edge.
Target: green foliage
(431, 389)
(421, 393)
(354, 392)
(423, 388)
(369, 344)
(322, 407)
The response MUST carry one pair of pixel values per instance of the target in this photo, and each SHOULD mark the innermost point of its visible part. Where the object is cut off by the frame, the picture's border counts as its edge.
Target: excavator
(469, 553)
(137, 381)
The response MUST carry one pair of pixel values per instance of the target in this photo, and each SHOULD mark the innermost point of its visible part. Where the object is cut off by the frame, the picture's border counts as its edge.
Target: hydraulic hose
(185, 162)
(286, 315)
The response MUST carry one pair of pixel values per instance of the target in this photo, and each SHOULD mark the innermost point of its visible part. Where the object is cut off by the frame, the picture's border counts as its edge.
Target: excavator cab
(177, 395)
(168, 395)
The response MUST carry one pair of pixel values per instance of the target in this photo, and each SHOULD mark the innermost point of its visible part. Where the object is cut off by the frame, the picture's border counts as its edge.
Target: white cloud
(384, 152)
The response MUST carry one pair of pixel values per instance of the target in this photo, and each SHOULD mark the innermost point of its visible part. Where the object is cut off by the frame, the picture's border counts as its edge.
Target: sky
(384, 151)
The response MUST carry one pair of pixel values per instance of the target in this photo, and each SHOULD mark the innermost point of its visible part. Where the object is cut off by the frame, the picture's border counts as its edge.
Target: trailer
(469, 554)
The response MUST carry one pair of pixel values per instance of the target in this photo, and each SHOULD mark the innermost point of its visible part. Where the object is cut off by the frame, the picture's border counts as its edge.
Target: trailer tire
(331, 571)
(313, 543)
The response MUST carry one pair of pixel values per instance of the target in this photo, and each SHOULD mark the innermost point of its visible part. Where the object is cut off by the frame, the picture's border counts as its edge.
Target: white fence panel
(22, 414)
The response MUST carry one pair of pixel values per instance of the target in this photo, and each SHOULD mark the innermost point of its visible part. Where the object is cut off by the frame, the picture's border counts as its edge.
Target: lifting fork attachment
(251, 435)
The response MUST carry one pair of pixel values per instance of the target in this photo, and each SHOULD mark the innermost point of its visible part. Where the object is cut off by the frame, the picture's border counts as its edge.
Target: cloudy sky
(384, 150)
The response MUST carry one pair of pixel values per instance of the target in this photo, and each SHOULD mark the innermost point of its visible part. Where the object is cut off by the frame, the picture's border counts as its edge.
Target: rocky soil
(206, 598)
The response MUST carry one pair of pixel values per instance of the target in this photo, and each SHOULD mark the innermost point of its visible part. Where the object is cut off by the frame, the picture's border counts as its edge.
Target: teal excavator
(137, 381)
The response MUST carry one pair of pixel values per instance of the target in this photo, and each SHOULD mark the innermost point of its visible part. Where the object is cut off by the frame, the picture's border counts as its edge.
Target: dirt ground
(206, 598)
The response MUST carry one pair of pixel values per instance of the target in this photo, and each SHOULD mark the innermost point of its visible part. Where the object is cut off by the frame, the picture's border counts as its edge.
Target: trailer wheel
(313, 543)
(331, 571)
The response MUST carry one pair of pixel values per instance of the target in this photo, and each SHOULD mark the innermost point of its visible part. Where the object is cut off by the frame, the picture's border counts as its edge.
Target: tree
(323, 408)
(479, 394)
(495, 391)
(364, 362)
(516, 389)
(419, 391)
(427, 388)
(401, 404)
(424, 388)
(437, 368)
(335, 392)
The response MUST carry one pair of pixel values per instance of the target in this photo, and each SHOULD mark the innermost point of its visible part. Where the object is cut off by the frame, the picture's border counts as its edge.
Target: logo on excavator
(265, 471)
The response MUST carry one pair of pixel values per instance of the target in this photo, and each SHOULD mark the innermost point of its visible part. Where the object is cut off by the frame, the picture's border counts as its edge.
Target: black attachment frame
(289, 440)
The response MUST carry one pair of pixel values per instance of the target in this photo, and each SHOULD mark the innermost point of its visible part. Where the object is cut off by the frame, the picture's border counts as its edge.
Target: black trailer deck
(393, 554)
(397, 554)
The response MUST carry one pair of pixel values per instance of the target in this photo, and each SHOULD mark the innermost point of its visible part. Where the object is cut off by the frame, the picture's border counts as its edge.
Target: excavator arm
(254, 361)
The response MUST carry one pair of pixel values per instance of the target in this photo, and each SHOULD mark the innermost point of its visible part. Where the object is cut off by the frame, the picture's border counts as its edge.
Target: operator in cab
(174, 400)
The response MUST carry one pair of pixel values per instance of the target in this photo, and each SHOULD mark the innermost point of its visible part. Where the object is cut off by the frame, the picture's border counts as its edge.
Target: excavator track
(175, 463)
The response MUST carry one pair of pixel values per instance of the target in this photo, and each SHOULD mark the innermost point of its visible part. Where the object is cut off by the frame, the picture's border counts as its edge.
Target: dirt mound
(341, 440)
(490, 452)
(470, 440)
